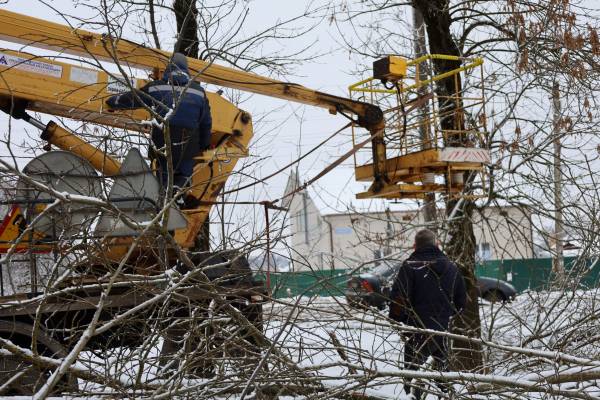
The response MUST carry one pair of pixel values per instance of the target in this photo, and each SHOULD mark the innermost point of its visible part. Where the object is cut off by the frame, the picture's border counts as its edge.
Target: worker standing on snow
(427, 292)
(183, 105)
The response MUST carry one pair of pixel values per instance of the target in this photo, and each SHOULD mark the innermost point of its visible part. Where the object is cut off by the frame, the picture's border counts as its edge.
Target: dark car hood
(487, 282)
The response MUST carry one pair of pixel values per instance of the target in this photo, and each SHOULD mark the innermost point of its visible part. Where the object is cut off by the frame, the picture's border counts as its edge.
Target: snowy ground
(306, 330)
(362, 339)
(544, 321)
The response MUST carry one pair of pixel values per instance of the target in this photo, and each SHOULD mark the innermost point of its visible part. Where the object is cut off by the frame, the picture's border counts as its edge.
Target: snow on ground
(311, 332)
(565, 322)
(548, 321)
(309, 340)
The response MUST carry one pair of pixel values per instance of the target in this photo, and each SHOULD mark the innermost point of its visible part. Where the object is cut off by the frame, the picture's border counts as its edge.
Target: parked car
(373, 288)
(493, 289)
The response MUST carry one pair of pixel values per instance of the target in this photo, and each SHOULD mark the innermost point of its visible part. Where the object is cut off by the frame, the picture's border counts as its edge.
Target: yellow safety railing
(404, 130)
(428, 135)
(472, 63)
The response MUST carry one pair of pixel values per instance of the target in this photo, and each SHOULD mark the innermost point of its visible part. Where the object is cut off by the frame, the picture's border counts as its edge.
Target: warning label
(83, 75)
(38, 67)
(119, 85)
(465, 154)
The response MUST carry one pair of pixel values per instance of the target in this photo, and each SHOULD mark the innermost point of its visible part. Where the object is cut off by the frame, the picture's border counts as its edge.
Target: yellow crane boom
(52, 87)
(35, 32)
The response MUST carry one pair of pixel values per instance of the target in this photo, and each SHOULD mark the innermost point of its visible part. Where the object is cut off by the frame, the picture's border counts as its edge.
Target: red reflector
(366, 285)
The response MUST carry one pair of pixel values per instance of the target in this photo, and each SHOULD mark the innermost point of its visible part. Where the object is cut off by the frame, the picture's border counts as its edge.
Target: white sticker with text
(118, 85)
(84, 75)
(38, 67)
(465, 154)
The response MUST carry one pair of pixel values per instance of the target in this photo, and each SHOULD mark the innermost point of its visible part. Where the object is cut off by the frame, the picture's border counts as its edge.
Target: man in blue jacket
(427, 292)
(184, 113)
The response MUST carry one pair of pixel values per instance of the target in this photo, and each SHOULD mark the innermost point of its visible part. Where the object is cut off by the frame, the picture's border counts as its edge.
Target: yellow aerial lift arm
(48, 86)
(35, 32)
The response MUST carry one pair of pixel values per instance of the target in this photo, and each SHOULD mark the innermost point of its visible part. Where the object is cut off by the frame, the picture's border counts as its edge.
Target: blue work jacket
(181, 102)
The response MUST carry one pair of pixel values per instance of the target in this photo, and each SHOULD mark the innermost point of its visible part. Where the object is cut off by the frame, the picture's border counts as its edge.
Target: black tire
(494, 296)
(201, 342)
(254, 314)
(382, 305)
(26, 378)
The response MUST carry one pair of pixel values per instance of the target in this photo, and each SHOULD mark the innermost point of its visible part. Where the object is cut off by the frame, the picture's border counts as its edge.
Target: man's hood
(177, 71)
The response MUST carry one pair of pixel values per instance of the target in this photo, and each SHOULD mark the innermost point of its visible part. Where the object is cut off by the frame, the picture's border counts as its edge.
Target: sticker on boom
(84, 75)
(38, 67)
(465, 154)
(118, 85)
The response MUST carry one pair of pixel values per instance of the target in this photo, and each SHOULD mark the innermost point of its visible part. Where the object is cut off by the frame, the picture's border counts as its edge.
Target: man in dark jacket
(428, 290)
(183, 107)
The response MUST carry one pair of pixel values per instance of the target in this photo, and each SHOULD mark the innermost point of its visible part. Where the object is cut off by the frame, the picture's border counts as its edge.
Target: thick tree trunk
(460, 246)
(420, 48)
(186, 15)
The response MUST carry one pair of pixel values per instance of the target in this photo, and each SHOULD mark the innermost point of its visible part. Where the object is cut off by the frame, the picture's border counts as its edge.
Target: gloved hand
(111, 103)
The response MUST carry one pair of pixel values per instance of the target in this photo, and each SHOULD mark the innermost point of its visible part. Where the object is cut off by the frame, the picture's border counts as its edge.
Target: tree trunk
(420, 47)
(558, 262)
(186, 15)
(460, 246)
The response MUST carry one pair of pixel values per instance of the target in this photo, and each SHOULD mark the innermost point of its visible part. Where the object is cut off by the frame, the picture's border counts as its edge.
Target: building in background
(339, 241)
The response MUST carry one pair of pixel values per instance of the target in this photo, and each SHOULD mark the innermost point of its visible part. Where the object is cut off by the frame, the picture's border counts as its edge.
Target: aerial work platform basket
(435, 127)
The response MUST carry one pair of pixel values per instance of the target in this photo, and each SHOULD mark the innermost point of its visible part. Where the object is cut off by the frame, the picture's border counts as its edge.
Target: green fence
(536, 273)
(308, 283)
(523, 274)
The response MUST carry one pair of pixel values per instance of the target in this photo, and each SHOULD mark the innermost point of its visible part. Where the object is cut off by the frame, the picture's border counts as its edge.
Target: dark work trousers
(186, 144)
(419, 347)
(182, 172)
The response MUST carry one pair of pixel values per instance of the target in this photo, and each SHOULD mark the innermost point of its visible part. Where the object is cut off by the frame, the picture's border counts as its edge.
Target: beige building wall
(345, 240)
(504, 233)
(364, 237)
